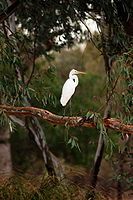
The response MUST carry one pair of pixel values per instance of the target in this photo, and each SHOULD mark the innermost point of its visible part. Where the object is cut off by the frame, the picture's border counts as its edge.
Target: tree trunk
(5, 149)
(32, 124)
(105, 34)
(52, 164)
(120, 174)
(99, 153)
(5, 153)
(97, 160)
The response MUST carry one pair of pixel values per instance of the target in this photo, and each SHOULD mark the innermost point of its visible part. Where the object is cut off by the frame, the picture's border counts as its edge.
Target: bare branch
(74, 121)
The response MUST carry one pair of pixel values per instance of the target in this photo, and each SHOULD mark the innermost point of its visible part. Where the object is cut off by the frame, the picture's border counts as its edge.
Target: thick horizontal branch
(111, 123)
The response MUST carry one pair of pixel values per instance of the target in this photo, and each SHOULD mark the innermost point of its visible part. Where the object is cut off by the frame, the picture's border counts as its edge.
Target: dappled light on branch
(73, 121)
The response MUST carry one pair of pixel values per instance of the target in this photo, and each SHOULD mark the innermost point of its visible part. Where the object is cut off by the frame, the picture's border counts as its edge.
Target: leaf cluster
(121, 89)
(55, 24)
(98, 120)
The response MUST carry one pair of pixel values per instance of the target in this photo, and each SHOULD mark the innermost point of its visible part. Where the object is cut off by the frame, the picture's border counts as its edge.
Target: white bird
(70, 86)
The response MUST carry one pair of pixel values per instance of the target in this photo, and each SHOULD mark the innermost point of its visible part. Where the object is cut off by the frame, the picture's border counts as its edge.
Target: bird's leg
(70, 106)
(64, 112)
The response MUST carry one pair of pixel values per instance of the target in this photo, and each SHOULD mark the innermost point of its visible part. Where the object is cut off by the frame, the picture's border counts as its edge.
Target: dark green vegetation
(36, 56)
(19, 187)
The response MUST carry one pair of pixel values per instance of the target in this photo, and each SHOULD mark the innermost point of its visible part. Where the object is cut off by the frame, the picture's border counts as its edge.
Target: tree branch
(75, 121)
(11, 9)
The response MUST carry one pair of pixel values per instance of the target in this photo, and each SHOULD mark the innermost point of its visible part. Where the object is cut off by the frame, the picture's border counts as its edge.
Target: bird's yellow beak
(79, 72)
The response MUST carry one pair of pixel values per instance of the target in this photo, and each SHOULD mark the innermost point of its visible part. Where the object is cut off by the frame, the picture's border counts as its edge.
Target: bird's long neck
(75, 79)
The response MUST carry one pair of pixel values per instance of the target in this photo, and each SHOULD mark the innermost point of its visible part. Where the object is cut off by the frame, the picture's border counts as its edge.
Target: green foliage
(98, 121)
(51, 25)
(43, 89)
(3, 5)
(11, 87)
(3, 119)
(121, 89)
(73, 141)
(55, 24)
(120, 95)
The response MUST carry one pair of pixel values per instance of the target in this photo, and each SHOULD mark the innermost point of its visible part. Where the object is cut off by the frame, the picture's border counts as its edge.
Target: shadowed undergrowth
(41, 188)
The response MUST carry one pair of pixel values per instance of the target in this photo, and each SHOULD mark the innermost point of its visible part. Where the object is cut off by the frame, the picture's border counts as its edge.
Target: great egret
(70, 86)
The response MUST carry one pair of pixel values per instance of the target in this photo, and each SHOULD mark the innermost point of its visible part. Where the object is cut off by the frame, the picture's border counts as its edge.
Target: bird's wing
(67, 91)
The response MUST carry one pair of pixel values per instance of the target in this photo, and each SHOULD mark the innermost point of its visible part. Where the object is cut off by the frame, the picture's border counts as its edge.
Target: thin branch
(4, 29)
(74, 121)
(90, 34)
(11, 9)
(34, 58)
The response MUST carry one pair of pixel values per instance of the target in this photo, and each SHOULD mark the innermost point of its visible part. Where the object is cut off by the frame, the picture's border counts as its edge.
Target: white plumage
(69, 86)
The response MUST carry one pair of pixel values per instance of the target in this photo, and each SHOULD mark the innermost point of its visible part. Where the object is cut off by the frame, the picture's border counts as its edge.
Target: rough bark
(75, 121)
(52, 164)
(99, 153)
(97, 161)
(5, 149)
(5, 153)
